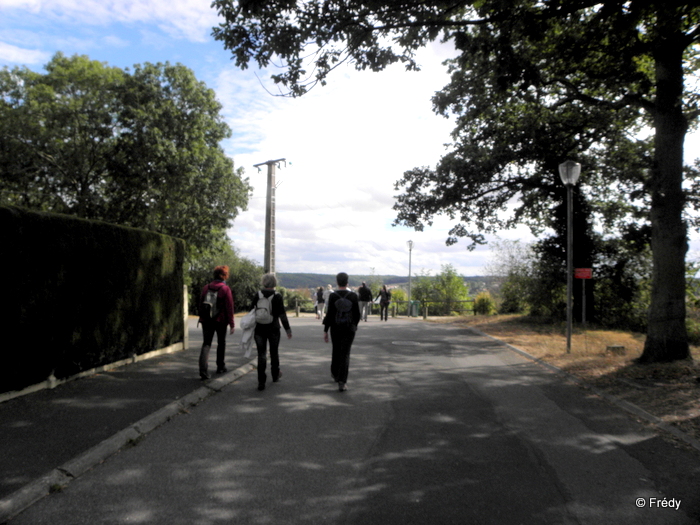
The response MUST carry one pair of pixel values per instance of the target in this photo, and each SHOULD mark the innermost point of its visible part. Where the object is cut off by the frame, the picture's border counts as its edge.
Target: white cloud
(18, 55)
(187, 19)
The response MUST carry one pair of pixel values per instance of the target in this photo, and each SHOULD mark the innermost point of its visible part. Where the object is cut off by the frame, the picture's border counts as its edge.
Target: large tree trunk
(667, 338)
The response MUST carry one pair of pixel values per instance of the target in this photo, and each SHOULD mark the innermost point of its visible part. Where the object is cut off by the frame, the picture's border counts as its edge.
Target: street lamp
(410, 249)
(569, 172)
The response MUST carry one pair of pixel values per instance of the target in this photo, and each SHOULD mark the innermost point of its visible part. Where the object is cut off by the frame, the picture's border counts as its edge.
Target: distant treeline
(314, 280)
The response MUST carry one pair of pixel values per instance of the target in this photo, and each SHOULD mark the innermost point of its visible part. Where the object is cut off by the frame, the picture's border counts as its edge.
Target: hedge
(80, 294)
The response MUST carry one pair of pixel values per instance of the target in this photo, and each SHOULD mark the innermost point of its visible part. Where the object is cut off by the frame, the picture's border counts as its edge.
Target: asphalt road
(439, 426)
(45, 429)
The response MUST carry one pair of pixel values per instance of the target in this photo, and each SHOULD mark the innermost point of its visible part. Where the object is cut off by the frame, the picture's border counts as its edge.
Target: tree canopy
(138, 148)
(534, 83)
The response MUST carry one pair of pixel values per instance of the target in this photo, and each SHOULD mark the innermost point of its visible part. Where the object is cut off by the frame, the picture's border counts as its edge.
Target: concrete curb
(51, 382)
(58, 478)
(621, 403)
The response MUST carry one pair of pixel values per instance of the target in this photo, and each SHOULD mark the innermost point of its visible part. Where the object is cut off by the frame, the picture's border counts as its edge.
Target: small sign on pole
(583, 273)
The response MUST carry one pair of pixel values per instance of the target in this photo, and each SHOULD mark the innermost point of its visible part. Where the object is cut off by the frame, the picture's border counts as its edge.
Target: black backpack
(343, 311)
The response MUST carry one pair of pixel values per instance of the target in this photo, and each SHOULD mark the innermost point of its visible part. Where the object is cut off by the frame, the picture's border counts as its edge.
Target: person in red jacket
(223, 318)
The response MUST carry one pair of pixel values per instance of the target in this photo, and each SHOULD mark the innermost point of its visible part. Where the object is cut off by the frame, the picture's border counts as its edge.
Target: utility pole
(269, 265)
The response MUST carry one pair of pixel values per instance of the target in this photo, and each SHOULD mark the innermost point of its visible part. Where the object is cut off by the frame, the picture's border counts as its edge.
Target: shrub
(484, 304)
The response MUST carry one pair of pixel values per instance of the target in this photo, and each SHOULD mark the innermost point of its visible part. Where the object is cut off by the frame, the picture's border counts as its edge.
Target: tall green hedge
(79, 294)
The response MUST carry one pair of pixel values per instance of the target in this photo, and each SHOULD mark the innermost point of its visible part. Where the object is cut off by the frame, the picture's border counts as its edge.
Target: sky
(345, 144)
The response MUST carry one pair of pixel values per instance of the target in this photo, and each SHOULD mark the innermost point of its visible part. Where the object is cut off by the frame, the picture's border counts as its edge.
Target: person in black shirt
(342, 319)
(365, 296)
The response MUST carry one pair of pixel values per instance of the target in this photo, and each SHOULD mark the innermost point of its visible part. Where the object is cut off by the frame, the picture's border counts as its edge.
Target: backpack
(343, 311)
(263, 309)
(209, 308)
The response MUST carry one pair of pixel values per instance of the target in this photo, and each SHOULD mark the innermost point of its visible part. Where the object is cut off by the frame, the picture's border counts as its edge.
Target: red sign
(583, 273)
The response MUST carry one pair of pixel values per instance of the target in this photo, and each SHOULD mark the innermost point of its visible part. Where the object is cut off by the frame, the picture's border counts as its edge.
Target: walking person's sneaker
(222, 370)
(261, 386)
(342, 387)
(275, 379)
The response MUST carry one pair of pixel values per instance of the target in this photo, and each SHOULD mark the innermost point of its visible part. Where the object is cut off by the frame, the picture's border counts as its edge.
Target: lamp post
(569, 172)
(410, 249)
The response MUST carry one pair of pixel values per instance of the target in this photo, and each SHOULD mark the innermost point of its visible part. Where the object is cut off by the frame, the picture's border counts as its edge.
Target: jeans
(364, 305)
(210, 328)
(263, 334)
(342, 339)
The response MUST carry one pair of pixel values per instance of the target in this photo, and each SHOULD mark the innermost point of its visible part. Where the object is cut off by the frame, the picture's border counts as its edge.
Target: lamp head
(569, 172)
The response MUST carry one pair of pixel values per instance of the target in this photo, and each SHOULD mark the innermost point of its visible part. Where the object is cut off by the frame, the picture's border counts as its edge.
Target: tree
(422, 289)
(138, 149)
(512, 264)
(450, 287)
(592, 69)
(374, 282)
(244, 275)
(483, 304)
(57, 130)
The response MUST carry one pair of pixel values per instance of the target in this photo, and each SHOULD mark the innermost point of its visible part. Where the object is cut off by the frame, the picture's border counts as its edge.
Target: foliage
(422, 288)
(292, 297)
(484, 304)
(374, 282)
(108, 293)
(533, 83)
(244, 275)
(399, 294)
(511, 262)
(137, 148)
(450, 287)
(623, 284)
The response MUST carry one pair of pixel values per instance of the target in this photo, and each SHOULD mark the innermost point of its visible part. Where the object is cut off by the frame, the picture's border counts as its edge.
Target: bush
(484, 304)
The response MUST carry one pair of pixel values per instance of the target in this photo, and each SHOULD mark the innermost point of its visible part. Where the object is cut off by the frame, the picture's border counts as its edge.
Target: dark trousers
(383, 311)
(263, 335)
(210, 328)
(342, 339)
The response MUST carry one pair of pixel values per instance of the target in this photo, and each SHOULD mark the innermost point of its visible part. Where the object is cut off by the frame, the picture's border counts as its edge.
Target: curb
(51, 382)
(58, 478)
(621, 403)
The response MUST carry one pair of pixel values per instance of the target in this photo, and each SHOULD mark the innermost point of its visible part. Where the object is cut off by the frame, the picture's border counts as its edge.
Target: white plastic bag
(248, 326)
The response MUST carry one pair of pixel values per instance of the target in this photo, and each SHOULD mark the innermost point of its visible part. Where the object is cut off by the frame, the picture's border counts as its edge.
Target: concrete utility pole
(269, 265)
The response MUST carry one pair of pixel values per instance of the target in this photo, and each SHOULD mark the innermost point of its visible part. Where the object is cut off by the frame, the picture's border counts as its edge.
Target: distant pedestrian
(384, 297)
(326, 294)
(269, 311)
(215, 314)
(341, 319)
(365, 296)
(320, 302)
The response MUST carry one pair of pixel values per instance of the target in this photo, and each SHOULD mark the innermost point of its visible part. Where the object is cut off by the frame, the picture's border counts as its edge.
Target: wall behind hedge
(79, 294)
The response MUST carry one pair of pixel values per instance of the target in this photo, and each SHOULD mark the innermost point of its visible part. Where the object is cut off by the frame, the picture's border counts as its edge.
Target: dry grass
(669, 391)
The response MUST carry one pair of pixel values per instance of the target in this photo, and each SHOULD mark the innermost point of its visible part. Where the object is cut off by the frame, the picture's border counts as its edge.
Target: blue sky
(345, 143)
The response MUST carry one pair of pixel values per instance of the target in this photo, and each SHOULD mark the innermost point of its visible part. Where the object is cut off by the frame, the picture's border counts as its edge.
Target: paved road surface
(439, 426)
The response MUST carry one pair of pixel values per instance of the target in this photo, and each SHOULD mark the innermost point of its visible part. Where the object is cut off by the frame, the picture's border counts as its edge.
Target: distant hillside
(314, 280)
